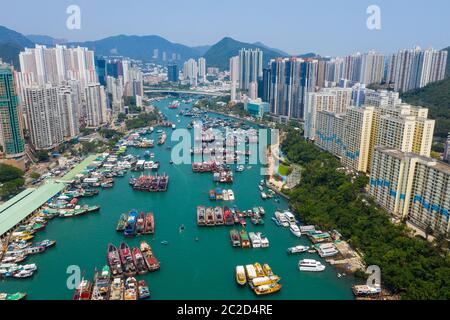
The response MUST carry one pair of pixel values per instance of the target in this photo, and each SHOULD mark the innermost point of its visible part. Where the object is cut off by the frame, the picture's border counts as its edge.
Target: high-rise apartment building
(415, 68)
(250, 67)
(96, 113)
(44, 116)
(291, 79)
(11, 135)
(172, 73)
(202, 69)
(412, 187)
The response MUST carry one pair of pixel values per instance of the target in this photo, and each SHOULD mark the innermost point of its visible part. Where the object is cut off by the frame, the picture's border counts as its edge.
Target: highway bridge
(200, 93)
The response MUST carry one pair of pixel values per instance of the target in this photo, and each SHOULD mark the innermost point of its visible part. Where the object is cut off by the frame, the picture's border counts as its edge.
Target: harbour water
(190, 269)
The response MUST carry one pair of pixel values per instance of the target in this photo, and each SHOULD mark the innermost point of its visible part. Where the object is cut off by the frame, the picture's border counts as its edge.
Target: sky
(326, 27)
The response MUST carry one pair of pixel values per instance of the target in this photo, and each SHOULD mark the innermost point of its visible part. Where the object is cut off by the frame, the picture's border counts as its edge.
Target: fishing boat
(139, 261)
(231, 195)
(297, 249)
(259, 270)
(225, 195)
(209, 219)
(83, 291)
(144, 291)
(242, 222)
(130, 229)
(46, 243)
(228, 216)
(245, 242)
(121, 225)
(295, 230)
(117, 289)
(235, 238)
(140, 223)
(150, 259)
(23, 274)
(218, 216)
(131, 289)
(102, 284)
(310, 265)
(212, 195)
(241, 279)
(13, 296)
(251, 272)
(267, 289)
(149, 224)
(201, 215)
(129, 269)
(114, 261)
(267, 270)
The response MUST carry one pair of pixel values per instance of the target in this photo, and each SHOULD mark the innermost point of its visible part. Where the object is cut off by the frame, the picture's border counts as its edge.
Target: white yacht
(231, 195)
(255, 239)
(310, 265)
(297, 249)
(264, 241)
(282, 219)
(225, 195)
(290, 217)
(295, 230)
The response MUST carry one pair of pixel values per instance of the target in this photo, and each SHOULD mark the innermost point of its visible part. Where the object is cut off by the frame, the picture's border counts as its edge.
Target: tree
(8, 173)
(42, 155)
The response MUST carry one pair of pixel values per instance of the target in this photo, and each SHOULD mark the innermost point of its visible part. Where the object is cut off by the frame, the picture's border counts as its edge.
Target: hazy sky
(327, 27)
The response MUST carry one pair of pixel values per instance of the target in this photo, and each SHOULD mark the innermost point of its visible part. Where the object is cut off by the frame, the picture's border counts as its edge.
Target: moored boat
(144, 291)
(114, 261)
(83, 291)
(102, 284)
(130, 229)
(209, 218)
(259, 270)
(297, 249)
(129, 269)
(131, 289)
(140, 223)
(149, 223)
(310, 265)
(122, 223)
(241, 279)
(139, 261)
(117, 289)
(150, 259)
(235, 238)
(218, 216)
(267, 289)
(245, 241)
(201, 215)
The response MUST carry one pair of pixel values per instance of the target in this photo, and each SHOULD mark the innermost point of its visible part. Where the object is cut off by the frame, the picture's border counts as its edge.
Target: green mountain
(46, 40)
(140, 48)
(202, 49)
(11, 43)
(435, 97)
(219, 54)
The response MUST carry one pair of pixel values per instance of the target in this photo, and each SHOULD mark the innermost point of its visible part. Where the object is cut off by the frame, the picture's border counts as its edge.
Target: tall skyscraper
(234, 69)
(70, 111)
(190, 71)
(202, 69)
(11, 136)
(95, 105)
(42, 65)
(415, 68)
(172, 73)
(291, 79)
(250, 67)
(45, 122)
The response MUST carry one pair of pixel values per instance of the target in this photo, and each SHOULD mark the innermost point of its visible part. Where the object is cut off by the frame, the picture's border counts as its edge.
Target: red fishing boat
(129, 269)
(84, 291)
(114, 261)
(140, 223)
(149, 224)
(139, 262)
(150, 259)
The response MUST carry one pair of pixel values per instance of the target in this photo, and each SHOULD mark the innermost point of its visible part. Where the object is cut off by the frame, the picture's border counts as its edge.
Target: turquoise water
(189, 269)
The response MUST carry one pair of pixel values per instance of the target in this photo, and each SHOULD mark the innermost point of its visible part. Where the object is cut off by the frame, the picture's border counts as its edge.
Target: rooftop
(26, 202)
